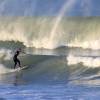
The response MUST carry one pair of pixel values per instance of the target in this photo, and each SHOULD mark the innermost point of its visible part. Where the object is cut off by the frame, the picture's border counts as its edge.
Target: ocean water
(51, 92)
(51, 76)
(62, 64)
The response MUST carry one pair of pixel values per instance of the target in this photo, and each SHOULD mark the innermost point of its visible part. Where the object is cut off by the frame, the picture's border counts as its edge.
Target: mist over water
(36, 31)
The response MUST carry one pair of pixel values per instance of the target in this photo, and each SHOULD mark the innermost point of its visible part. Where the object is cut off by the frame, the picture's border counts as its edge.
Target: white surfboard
(22, 68)
(19, 69)
(25, 67)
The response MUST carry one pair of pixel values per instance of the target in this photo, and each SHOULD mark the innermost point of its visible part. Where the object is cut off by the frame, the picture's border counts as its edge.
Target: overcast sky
(49, 7)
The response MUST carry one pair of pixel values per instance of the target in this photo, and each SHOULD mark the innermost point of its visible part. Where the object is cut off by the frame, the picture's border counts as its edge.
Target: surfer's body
(15, 58)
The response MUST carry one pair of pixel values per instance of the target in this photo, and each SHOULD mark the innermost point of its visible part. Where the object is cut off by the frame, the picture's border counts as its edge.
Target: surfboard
(25, 67)
(19, 69)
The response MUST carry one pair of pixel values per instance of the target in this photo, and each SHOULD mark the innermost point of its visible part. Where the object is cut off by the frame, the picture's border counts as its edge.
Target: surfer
(16, 60)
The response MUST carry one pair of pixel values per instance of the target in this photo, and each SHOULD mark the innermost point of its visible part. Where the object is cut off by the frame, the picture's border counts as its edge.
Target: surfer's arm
(23, 52)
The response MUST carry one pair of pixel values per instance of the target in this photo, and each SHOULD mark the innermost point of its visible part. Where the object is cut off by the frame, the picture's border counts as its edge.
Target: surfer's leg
(15, 64)
(19, 62)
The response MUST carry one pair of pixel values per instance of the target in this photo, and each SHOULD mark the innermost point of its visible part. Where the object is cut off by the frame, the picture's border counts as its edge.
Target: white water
(5, 54)
(51, 32)
(73, 32)
(86, 61)
(5, 70)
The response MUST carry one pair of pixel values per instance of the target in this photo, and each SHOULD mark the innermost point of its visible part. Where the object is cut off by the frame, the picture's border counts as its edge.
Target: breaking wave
(65, 55)
(86, 61)
(37, 31)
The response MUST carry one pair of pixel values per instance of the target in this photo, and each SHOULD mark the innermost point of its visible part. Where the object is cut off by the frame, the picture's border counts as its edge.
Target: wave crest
(86, 61)
(36, 31)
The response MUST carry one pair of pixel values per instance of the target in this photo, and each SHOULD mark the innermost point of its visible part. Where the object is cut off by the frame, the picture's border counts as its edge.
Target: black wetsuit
(16, 60)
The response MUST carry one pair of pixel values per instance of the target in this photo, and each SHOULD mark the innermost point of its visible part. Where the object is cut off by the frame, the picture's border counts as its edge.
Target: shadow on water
(18, 80)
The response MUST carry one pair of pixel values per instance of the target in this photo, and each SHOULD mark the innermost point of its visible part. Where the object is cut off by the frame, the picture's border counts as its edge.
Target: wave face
(37, 31)
(51, 69)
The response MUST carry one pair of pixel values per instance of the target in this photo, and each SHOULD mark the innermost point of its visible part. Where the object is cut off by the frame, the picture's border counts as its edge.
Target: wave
(89, 61)
(11, 45)
(88, 57)
(46, 68)
(37, 31)
(5, 54)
